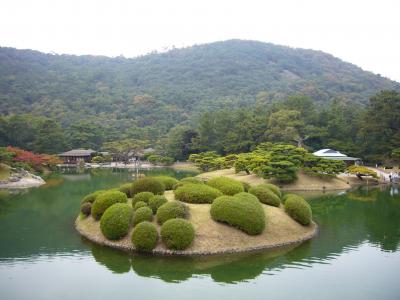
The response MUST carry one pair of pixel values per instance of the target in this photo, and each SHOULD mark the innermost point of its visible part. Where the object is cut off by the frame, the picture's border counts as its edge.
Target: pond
(355, 255)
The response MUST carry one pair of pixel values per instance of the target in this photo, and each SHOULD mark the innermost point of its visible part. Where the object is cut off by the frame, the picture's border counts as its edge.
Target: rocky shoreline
(21, 178)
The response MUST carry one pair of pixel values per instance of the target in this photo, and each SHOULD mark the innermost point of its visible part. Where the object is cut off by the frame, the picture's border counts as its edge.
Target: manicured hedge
(145, 236)
(86, 208)
(116, 221)
(265, 195)
(142, 196)
(196, 193)
(177, 234)
(142, 214)
(170, 210)
(298, 209)
(190, 180)
(139, 204)
(227, 186)
(242, 211)
(147, 184)
(274, 188)
(91, 197)
(126, 188)
(156, 201)
(168, 181)
(105, 200)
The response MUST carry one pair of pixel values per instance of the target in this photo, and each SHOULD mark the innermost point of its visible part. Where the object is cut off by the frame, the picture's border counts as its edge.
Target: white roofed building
(336, 155)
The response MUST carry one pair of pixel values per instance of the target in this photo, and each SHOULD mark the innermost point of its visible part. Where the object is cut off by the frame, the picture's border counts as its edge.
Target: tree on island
(123, 150)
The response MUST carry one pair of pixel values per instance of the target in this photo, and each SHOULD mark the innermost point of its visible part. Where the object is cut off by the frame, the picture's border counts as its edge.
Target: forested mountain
(97, 99)
(177, 82)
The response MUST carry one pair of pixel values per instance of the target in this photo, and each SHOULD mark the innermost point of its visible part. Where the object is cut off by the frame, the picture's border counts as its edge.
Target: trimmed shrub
(142, 214)
(196, 193)
(168, 181)
(126, 188)
(143, 197)
(147, 184)
(105, 200)
(274, 188)
(116, 221)
(145, 236)
(139, 204)
(91, 197)
(246, 186)
(156, 201)
(86, 208)
(177, 234)
(170, 210)
(192, 180)
(246, 196)
(265, 195)
(298, 209)
(242, 211)
(227, 186)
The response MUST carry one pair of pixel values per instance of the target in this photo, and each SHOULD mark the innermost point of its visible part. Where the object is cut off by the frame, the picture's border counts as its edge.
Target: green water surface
(355, 255)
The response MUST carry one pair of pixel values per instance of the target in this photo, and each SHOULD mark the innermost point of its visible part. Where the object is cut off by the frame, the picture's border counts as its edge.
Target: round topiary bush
(143, 197)
(170, 210)
(196, 193)
(142, 214)
(298, 209)
(156, 201)
(116, 221)
(227, 186)
(91, 197)
(274, 188)
(168, 181)
(147, 184)
(145, 236)
(126, 188)
(177, 234)
(105, 200)
(244, 212)
(245, 195)
(265, 195)
(86, 208)
(139, 204)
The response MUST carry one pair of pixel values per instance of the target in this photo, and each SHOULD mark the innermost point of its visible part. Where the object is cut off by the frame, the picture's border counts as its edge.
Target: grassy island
(193, 216)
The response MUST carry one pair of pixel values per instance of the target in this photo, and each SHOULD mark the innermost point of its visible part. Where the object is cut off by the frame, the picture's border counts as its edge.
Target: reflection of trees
(114, 260)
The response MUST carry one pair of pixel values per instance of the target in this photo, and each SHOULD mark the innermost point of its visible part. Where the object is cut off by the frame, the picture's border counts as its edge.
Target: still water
(355, 256)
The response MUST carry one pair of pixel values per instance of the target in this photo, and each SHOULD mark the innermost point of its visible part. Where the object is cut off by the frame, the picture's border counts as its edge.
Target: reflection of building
(336, 155)
(77, 155)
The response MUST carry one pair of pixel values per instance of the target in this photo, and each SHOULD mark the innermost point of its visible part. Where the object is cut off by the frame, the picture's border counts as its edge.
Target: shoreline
(167, 252)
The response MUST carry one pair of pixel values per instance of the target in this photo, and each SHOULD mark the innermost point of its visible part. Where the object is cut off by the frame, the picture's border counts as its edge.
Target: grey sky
(366, 33)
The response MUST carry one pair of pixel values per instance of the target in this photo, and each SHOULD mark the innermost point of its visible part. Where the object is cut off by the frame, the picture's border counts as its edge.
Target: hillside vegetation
(68, 101)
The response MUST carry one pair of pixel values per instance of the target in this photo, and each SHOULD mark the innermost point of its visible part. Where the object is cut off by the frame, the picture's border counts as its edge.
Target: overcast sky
(366, 33)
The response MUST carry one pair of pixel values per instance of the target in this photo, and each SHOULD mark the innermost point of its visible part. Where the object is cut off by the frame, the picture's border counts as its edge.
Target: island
(164, 216)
